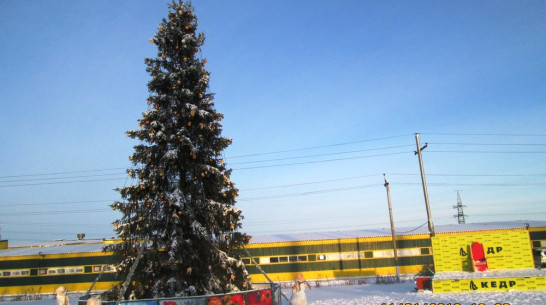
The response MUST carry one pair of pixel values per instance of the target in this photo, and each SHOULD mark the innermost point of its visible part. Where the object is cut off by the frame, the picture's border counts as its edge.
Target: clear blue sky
(339, 86)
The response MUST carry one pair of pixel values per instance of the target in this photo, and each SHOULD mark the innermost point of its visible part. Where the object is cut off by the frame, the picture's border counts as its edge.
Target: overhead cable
(320, 146)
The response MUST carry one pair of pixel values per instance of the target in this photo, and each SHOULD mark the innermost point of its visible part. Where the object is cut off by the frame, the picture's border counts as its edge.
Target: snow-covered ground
(404, 293)
(396, 294)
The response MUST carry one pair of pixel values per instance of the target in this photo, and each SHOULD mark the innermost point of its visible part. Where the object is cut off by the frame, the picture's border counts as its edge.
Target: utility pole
(424, 182)
(460, 214)
(392, 229)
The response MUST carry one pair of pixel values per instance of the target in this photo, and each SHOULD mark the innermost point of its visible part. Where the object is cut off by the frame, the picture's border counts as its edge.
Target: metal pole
(265, 274)
(392, 230)
(132, 271)
(424, 182)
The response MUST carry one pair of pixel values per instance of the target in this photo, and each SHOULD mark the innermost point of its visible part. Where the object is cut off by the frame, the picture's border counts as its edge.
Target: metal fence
(264, 294)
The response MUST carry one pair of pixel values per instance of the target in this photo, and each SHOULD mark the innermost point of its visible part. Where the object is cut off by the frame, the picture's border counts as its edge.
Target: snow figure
(62, 298)
(298, 291)
(179, 207)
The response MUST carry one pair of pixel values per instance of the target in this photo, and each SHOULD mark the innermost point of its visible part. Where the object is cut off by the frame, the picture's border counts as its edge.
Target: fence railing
(264, 294)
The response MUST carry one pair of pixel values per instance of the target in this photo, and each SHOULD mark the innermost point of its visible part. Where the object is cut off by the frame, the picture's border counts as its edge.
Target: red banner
(234, 299)
(262, 297)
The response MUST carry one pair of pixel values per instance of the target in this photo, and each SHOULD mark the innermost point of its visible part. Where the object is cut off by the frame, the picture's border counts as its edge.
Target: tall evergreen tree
(180, 208)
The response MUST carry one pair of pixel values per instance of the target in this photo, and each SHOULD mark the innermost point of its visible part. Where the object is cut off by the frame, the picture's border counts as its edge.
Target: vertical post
(392, 229)
(132, 271)
(424, 182)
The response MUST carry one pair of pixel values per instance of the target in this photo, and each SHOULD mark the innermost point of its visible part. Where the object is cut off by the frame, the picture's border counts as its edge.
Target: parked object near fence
(422, 282)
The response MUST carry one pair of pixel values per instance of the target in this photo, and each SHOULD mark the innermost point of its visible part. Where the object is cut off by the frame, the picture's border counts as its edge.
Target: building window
(321, 257)
(273, 259)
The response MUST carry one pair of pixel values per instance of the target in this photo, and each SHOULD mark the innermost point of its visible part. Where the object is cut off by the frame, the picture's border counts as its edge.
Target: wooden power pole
(424, 182)
(392, 230)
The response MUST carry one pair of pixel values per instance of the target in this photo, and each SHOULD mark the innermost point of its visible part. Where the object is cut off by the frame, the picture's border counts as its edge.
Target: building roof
(54, 247)
(423, 229)
(89, 246)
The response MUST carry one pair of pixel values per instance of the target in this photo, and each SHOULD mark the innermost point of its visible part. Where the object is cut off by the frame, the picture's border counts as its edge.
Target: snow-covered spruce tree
(182, 199)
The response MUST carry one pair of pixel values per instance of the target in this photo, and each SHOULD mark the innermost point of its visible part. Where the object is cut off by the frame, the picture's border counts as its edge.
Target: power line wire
(320, 146)
(55, 233)
(55, 212)
(417, 228)
(56, 224)
(485, 134)
(63, 173)
(54, 203)
(310, 193)
(476, 184)
(320, 155)
(390, 174)
(503, 214)
(308, 148)
(322, 229)
(485, 152)
(509, 203)
(306, 183)
(322, 161)
(488, 144)
(61, 182)
(280, 196)
(231, 157)
(322, 219)
(58, 178)
(471, 175)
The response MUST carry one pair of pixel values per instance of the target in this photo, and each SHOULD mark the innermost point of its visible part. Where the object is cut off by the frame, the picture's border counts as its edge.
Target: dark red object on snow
(422, 282)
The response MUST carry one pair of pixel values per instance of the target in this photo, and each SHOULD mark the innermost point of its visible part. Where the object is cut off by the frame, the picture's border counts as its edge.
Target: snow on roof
(506, 273)
(86, 246)
(399, 231)
(53, 243)
(54, 247)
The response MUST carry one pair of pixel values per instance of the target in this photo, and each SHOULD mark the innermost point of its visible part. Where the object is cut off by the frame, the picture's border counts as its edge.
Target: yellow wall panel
(490, 284)
(503, 250)
(332, 274)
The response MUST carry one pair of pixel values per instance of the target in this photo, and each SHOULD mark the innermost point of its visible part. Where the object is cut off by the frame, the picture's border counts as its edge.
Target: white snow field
(395, 294)
(404, 293)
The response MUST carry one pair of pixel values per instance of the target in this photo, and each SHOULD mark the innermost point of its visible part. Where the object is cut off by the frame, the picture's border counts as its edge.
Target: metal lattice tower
(460, 214)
